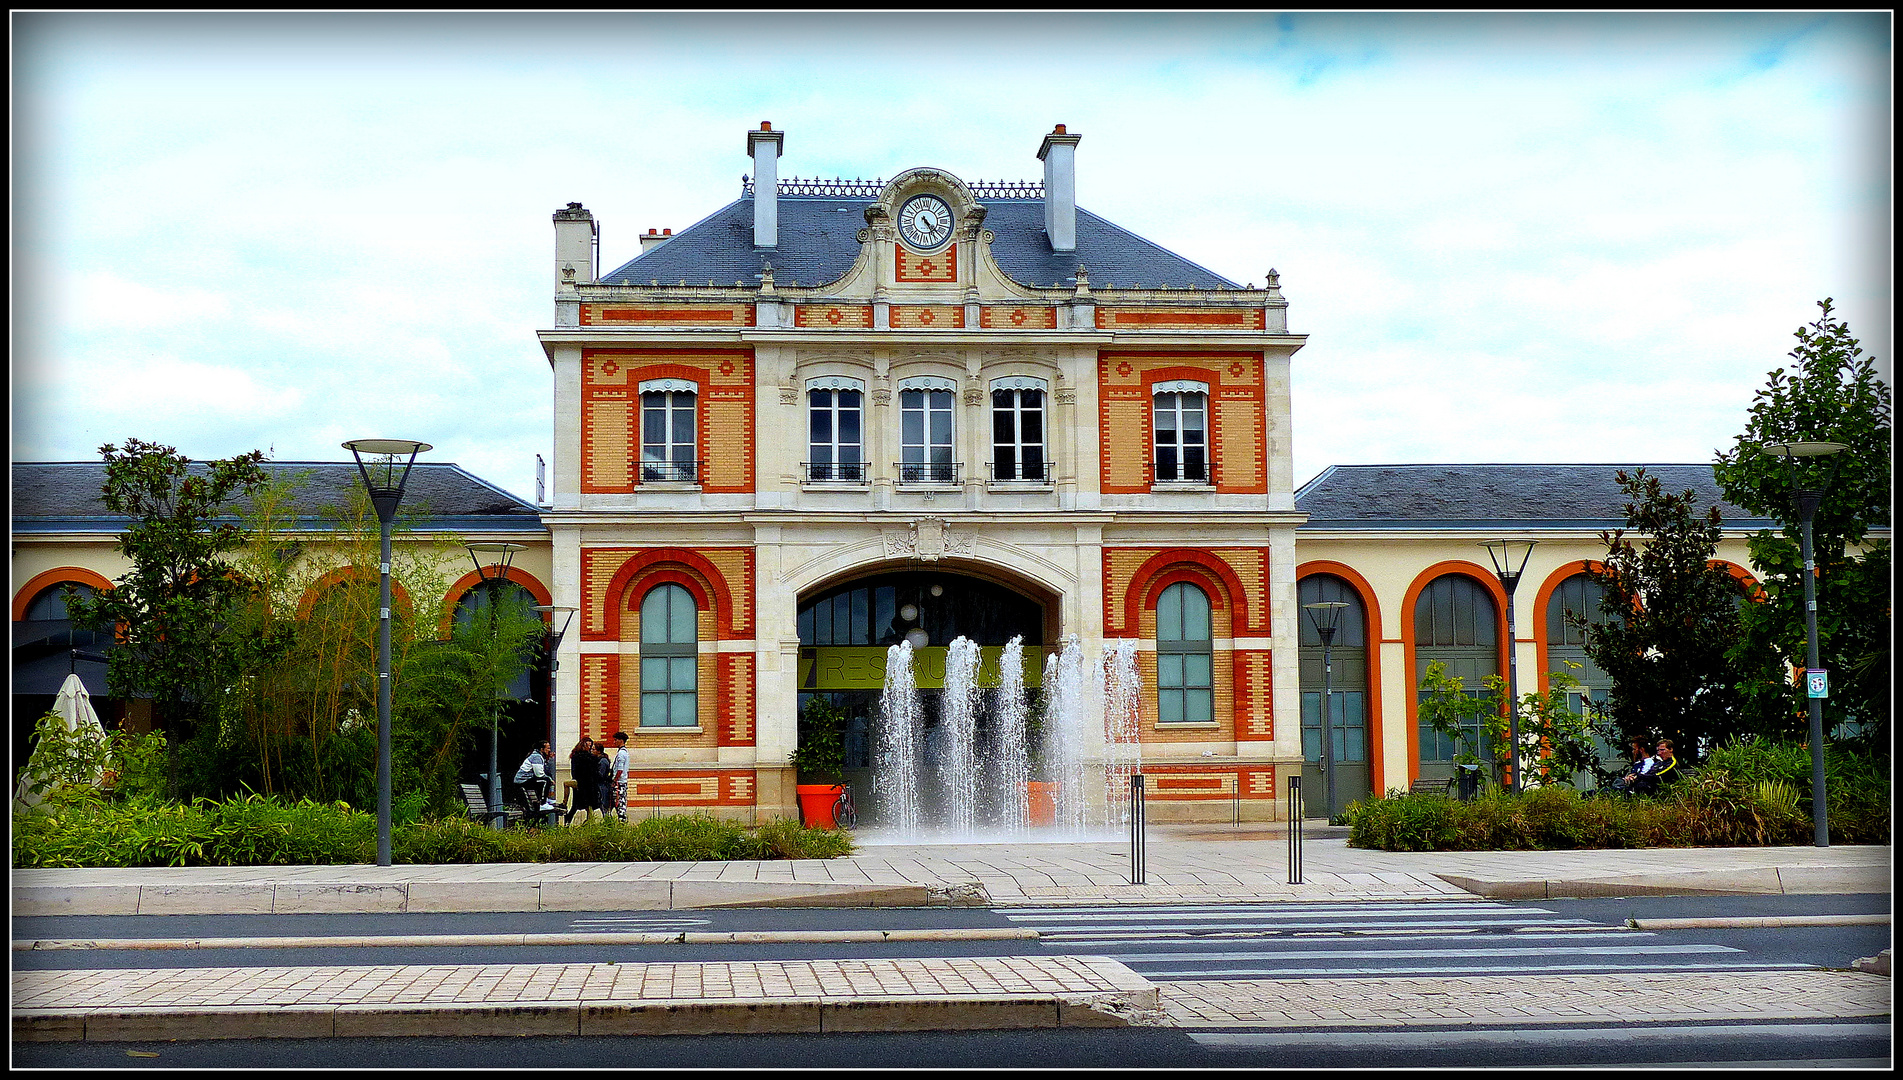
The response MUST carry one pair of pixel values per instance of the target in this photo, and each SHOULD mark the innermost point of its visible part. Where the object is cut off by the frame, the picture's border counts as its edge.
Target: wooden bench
(1425, 786)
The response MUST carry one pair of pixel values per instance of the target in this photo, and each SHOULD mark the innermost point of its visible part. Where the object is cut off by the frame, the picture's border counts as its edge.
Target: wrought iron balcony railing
(838, 472)
(1023, 472)
(929, 472)
(670, 471)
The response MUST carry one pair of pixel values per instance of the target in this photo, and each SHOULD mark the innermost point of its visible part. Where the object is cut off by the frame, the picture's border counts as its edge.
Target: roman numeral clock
(925, 223)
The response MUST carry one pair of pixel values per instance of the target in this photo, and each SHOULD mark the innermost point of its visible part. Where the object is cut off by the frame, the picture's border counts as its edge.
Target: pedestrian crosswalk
(1334, 940)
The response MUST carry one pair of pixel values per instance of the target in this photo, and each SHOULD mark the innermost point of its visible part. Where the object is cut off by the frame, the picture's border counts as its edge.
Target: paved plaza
(1183, 864)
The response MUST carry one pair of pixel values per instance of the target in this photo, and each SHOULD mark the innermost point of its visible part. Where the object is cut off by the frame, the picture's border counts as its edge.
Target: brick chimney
(764, 146)
(1059, 155)
(575, 236)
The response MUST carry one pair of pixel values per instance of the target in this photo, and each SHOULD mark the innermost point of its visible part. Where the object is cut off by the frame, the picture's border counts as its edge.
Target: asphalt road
(1161, 942)
(1859, 1043)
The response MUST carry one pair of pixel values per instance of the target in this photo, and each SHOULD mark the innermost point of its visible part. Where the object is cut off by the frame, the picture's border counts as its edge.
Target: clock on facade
(925, 222)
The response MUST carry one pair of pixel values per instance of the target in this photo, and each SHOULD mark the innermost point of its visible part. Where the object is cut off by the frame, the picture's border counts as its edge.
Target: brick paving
(1516, 999)
(467, 984)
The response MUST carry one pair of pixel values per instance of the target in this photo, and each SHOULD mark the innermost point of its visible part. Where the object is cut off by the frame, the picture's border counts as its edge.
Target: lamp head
(502, 554)
(387, 471)
(550, 610)
(1326, 615)
(1509, 559)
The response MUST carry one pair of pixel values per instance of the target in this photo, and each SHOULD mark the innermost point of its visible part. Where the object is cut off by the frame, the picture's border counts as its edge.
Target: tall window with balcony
(667, 431)
(1182, 432)
(1017, 430)
(835, 446)
(925, 431)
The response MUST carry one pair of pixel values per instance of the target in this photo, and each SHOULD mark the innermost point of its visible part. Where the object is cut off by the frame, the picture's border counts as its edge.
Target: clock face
(925, 222)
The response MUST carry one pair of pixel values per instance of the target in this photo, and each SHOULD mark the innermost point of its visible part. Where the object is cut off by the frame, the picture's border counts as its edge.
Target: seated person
(1642, 764)
(1664, 770)
(536, 780)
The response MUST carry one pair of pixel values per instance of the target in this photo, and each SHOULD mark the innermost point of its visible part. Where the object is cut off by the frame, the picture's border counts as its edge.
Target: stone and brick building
(832, 414)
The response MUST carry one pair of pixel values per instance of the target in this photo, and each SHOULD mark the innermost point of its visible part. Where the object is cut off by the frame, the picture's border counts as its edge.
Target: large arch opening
(847, 626)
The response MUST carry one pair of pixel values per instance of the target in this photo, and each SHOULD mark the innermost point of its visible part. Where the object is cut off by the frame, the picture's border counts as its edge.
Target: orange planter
(1040, 800)
(816, 804)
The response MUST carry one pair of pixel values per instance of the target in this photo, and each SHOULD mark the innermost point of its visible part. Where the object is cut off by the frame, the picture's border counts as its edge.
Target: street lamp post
(1808, 499)
(384, 476)
(493, 587)
(1326, 615)
(554, 651)
(1503, 553)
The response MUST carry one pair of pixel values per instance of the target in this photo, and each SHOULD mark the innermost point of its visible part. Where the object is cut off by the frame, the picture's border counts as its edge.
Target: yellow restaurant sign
(862, 667)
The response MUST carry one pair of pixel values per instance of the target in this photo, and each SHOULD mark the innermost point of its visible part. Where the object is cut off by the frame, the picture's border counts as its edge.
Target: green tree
(170, 610)
(304, 723)
(1831, 393)
(1671, 622)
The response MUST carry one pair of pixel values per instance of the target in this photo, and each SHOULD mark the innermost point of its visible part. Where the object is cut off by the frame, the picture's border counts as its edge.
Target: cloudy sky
(1510, 238)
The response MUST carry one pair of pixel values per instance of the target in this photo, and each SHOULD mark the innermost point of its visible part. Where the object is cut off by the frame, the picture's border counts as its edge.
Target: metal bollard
(1295, 811)
(1136, 829)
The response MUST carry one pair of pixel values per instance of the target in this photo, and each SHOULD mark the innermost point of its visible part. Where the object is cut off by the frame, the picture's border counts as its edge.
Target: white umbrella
(75, 708)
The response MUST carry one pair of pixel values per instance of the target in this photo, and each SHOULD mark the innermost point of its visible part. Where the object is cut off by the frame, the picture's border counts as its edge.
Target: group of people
(1651, 766)
(600, 779)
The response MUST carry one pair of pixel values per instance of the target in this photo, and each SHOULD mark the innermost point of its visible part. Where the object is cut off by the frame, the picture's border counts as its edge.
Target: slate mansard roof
(819, 241)
(1376, 497)
(63, 497)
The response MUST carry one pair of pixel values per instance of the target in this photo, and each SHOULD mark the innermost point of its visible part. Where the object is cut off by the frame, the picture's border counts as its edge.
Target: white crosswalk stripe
(1192, 941)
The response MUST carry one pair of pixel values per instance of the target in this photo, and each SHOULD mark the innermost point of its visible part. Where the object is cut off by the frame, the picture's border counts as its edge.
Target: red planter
(816, 804)
(1040, 801)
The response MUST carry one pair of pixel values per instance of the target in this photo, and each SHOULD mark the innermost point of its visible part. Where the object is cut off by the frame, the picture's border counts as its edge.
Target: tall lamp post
(492, 586)
(1504, 554)
(1816, 681)
(554, 651)
(385, 475)
(1326, 615)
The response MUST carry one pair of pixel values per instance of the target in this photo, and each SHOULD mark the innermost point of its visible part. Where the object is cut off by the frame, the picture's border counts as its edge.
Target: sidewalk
(1183, 864)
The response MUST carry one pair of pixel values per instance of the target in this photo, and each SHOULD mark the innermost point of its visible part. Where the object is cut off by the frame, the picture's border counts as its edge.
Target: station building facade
(832, 415)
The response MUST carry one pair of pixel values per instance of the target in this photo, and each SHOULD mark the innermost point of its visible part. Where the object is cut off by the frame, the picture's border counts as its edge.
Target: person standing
(581, 768)
(621, 774)
(604, 779)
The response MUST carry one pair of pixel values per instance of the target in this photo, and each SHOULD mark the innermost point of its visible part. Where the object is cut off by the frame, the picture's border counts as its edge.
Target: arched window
(1455, 624)
(670, 664)
(1347, 686)
(474, 606)
(1185, 668)
(49, 605)
(1577, 598)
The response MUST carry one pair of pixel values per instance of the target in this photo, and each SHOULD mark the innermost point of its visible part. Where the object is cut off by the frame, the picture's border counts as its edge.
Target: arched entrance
(846, 628)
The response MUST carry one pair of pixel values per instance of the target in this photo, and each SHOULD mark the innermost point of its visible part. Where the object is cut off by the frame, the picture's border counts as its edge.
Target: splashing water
(1009, 768)
(957, 738)
(898, 741)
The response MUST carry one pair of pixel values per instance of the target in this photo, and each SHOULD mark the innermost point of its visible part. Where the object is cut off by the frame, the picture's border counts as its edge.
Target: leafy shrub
(1713, 807)
(259, 830)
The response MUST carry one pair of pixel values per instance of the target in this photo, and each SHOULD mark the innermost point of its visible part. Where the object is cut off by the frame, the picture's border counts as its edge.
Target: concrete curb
(1752, 881)
(1758, 922)
(725, 1017)
(311, 898)
(752, 937)
(1875, 965)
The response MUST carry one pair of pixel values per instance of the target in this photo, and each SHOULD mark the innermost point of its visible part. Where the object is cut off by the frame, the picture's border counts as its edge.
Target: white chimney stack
(574, 246)
(656, 237)
(1059, 155)
(764, 146)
